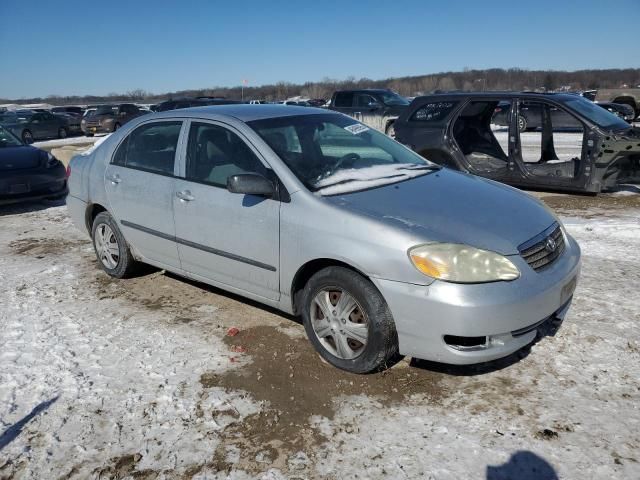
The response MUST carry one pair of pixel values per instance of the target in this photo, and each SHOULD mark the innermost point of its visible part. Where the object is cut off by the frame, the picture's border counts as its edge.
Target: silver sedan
(380, 251)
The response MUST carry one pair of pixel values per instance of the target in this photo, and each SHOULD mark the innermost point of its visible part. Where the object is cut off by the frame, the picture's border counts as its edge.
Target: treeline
(467, 80)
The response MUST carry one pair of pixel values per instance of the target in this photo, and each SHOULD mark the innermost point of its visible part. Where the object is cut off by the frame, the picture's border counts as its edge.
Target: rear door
(343, 102)
(229, 238)
(140, 185)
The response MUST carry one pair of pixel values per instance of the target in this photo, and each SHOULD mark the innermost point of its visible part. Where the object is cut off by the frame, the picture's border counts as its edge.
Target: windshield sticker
(356, 128)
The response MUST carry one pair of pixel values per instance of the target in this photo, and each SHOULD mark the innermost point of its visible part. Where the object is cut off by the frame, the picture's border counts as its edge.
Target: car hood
(448, 206)
(17, 158)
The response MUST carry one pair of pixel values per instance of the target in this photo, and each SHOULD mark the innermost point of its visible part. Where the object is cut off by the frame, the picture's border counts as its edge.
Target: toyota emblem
(551, 245)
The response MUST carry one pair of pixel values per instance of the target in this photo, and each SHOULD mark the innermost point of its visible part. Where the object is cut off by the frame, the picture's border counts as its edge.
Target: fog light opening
(466, 343)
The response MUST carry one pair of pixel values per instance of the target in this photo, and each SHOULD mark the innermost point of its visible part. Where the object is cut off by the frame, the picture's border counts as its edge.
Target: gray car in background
(29, 125)
(109, 118)
(380, 251)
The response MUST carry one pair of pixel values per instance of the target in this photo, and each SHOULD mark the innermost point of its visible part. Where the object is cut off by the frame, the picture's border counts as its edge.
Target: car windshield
(8, 140)
(104, 109)
(392, 98)
(598, 115)
(333, 154)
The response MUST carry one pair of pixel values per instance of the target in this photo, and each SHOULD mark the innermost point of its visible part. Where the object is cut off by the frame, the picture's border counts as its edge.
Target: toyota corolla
(379, 250)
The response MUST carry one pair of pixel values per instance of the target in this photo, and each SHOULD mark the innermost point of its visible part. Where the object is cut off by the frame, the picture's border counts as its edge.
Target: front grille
(544, 249)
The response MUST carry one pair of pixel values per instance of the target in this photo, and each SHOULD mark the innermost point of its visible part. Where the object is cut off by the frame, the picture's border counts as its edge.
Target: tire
(522, 123)
(391, 130)
(369, 319)
(62, 132)
(27, 137)
(116, 126)
(105, 231)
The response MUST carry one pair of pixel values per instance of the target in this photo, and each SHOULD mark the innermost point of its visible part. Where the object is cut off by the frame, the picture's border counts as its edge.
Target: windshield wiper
(422, 167)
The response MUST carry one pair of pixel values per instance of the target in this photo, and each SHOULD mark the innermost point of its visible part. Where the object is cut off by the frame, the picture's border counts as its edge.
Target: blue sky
(97, 46)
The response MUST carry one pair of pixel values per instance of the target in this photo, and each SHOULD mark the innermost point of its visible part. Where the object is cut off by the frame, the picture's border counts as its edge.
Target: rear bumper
(77, 211)
(509, 315)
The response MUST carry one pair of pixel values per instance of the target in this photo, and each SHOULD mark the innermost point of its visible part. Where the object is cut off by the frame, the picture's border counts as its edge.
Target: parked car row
(31, 125)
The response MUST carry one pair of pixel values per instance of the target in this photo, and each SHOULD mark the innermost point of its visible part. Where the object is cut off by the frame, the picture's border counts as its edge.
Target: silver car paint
(370, 231)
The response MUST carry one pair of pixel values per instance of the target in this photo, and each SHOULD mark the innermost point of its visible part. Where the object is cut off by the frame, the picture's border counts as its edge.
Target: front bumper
(508, 314)
(28, 186)
(92, 129)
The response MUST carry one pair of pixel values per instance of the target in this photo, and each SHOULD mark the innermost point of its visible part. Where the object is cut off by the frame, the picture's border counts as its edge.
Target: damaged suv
(549, 141)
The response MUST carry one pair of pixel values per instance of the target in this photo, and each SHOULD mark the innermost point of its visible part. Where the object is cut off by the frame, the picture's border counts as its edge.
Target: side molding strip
(197, 246)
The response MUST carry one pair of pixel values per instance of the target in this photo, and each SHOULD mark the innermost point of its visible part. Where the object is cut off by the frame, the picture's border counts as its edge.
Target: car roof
(498, 95)
(369, 90)
(244, 112)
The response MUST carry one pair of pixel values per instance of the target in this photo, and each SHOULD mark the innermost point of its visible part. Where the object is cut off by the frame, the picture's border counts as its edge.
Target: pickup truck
(376, 107)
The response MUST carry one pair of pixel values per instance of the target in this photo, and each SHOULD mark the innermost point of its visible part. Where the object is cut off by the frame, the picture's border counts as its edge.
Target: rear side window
(343, 99)
(433, 112)
(151, 148)
(215, 153)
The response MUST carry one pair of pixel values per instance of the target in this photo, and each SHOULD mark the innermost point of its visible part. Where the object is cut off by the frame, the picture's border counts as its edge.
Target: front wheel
(116, 126)
(62, 132)
(111, 248)
(348, 321)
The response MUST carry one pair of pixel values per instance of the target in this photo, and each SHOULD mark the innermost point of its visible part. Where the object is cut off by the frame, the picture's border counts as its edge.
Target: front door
(140, 186)
(225, 237)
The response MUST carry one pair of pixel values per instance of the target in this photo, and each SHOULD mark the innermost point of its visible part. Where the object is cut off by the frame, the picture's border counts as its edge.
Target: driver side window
(215, 153)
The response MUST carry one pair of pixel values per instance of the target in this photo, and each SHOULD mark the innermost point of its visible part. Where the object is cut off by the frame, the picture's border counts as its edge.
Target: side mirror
(250, 184)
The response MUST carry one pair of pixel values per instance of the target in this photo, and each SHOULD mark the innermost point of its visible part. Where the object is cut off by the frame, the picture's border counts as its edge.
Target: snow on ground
(60, 142)
(97, 383)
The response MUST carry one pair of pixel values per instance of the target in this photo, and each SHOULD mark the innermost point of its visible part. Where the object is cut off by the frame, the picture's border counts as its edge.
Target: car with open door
(567, 143)
(379, 250)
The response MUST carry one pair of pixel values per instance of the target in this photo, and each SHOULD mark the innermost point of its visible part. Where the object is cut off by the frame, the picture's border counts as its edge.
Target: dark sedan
(30, 126)
(621, 110)
(28, 173)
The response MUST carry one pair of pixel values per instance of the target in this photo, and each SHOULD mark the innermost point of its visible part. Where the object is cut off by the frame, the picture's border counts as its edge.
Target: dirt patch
(297, 384)
(590, 206)
(43, 247)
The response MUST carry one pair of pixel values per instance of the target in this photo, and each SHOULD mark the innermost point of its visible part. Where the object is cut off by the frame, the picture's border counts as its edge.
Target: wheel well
(92, 212)
(307, 271)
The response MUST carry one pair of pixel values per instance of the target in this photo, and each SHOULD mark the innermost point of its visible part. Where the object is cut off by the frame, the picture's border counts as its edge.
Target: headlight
(457, 263)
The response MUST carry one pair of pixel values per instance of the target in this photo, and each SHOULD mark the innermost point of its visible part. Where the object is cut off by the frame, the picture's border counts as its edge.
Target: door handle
(115, 179)
(185, 195)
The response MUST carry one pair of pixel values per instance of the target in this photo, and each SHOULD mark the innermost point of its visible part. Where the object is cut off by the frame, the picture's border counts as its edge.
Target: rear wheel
(348, 321)
(111, 248)
(27, 137)
(62, 132)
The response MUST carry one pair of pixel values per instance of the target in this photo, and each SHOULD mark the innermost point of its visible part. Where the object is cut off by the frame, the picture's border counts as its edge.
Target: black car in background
(574, 145)
(375, 107)
(29, 125)
(69, 110)
(192, 102)
(621, 110)
(28, 173)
